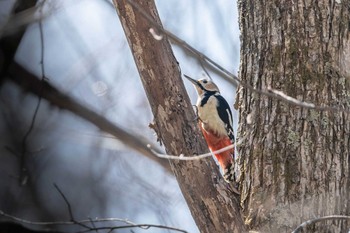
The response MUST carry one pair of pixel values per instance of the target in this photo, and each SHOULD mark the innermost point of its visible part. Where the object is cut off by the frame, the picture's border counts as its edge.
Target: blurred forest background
(86, 56)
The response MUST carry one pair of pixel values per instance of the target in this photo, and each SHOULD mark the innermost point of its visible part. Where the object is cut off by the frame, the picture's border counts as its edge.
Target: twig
(23, 170)
(228, 76)
(200, 56)
(57, 98)
(142, 226)
(70, 209)
(130, 224)
(22, 19)
(205, 69)
(93, 224)
(30, 83)
(191, 157)
(24, 221)
(313, 221)
(65, 200)
(291, 99)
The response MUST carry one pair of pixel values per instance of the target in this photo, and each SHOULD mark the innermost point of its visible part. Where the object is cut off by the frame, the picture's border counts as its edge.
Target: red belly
(215, 143)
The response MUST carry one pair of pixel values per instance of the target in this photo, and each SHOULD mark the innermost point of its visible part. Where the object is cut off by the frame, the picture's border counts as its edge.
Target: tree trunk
(213, 207)
(295, 161)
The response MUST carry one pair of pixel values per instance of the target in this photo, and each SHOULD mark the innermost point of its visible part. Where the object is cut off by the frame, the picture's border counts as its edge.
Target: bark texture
(294, 161)
(213, 207)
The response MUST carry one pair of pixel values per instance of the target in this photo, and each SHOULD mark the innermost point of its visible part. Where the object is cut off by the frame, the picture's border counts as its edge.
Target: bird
(215, 121)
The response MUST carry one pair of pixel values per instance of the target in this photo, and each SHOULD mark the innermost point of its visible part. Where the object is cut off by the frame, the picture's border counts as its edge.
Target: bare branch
(61, 100)
(20, 20)
(129, 223)
(212, 65)
(313, 221)
(65, 200)
(142, 226)
(228, 76)
(23, 170)
(70, 209)
(93, 224)
(291, 99)
(191, 157)
(30, 83)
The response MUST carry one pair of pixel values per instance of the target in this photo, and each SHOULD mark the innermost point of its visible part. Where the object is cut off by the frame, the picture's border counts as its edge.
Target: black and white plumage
(213, 109)
(216, 123)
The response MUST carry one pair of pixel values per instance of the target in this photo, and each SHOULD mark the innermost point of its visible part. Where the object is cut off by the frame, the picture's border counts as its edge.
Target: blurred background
(86, 56)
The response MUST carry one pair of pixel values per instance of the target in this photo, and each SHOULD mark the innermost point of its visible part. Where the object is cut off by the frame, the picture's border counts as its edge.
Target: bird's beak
(195, 82)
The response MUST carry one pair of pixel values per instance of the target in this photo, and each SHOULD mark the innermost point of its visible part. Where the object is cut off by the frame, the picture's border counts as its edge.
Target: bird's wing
(226, 116)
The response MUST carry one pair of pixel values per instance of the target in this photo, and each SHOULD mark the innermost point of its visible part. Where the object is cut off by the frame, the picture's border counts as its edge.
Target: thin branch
(142, 226)
(228, 76)
(30, 83)
(70, 209)
(97, 220)
(57, 98)
(22, 19)
(313, 221)
(23, 170)
(205, 69)
(130, 224)
(197, 54)
(66, 201)
(191, 157)
(292, 100)
(93, 224)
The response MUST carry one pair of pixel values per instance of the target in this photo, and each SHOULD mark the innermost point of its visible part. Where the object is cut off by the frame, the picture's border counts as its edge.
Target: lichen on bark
(294, 161)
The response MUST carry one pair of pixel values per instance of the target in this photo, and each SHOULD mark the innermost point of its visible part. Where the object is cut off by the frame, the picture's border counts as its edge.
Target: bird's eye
(205, 81)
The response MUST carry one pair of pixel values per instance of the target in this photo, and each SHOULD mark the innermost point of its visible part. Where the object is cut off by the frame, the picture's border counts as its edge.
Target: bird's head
(203, 85)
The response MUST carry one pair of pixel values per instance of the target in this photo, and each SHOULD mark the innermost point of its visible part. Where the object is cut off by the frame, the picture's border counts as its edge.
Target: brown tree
(295, 161)
(212, 205)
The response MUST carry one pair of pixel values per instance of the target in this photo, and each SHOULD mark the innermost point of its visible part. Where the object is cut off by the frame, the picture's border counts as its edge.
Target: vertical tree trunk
(212, 206)
(295, 162)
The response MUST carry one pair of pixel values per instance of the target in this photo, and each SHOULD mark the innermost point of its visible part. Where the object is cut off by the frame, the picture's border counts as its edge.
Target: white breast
(209, 116)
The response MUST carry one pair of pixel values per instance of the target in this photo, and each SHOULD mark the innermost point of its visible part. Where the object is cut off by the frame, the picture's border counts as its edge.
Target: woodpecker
(215, 121)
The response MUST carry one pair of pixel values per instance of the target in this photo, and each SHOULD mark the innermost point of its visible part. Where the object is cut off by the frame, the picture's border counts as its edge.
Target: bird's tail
(229, 173)
(226, 160)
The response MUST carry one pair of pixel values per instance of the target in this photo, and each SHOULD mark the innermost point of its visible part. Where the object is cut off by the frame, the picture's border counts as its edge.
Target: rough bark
(294, 161)
(212, 206)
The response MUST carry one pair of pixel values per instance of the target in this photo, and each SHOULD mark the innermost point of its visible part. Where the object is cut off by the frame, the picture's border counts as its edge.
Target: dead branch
(70, 211)
(20, 20)
(83, 223)
(41, 87)
(316, 220)
(97, 220)
(228, 76)
(23, 169)
(30, 83)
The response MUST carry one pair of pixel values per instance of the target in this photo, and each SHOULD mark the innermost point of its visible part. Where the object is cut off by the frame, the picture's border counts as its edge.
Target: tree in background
(295, 160)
